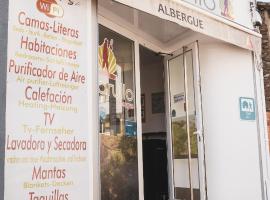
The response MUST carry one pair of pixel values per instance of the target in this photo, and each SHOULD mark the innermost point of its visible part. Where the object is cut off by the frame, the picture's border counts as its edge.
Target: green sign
(247, 108)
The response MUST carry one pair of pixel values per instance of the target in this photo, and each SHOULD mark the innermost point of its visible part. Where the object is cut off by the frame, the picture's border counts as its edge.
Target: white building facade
(124, 99)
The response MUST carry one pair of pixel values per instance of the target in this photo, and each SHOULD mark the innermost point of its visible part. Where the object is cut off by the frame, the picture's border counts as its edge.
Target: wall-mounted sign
(107, 59)
(188, 16)
(108, 66)
(158, 103)
(46, 151)
(224, 8)
(130, 128)
(247, 109)
(179, 98)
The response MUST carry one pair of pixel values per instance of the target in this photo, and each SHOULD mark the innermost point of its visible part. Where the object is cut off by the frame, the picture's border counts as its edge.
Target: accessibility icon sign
(247, 108)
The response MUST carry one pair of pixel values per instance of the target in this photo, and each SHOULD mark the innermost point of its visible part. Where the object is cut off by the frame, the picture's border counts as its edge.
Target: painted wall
(152, 82)
(232, 156)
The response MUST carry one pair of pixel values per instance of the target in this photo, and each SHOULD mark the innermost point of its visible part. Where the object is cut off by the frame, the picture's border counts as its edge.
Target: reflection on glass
(118, 127)
(178, 110)
(180, 142)
(185, 148)
(179, 128)
(192, 127)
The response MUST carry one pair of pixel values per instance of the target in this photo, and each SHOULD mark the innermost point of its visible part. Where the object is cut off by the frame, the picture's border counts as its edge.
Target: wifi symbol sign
(50, 8)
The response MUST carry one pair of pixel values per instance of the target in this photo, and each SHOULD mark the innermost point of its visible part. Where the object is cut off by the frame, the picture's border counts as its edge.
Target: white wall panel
(232, 157)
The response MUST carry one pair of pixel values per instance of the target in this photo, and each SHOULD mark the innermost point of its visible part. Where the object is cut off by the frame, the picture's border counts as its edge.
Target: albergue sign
(176, 11)
(206, 4)
(224, 8)
(237, 11)
(180, 16)
(46, 151)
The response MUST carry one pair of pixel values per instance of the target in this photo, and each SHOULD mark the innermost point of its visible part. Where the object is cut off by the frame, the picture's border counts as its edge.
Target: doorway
(173, 150)
(138, 120)
(155, 167)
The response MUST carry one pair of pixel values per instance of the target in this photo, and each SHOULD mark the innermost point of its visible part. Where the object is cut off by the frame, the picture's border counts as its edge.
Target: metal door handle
(198, 133)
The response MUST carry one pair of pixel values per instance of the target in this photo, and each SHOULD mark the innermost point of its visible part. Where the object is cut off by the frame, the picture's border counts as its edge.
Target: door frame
(143, 42)
(194, 47)
(137, 83)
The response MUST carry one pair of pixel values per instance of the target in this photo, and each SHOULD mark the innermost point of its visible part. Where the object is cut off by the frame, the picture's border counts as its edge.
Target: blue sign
(131, 128)
(102, 113)
(247, 109)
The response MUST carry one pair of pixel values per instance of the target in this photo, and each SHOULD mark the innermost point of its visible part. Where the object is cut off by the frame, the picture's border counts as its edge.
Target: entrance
(155, 167)
(173, 158)
(151, 146)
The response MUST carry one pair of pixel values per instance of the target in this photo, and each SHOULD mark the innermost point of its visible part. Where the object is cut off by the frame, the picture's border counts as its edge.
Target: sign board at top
(237, 11)
(213, 25)
(233, 10)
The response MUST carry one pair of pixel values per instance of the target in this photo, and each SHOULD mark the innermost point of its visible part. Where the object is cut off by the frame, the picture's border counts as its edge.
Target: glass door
(185, 126)
(117, 117)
